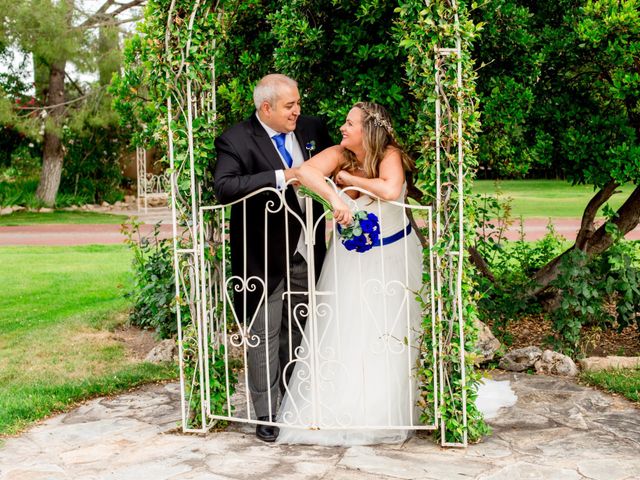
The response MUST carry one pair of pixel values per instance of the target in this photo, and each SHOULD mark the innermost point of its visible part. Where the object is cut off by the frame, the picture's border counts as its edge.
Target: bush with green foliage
(22, 192)
(602, 291)
(91, 174)
(153, 294)
(93, 145)
(15, 147)
(153, 289)
(92, 170)
(219, 377)
(503, 298)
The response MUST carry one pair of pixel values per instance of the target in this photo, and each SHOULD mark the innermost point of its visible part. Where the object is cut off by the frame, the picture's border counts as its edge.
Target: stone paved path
(557, 430)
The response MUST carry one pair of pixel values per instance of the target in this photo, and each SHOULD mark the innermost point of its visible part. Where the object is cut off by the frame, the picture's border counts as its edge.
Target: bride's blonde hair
(377, 138)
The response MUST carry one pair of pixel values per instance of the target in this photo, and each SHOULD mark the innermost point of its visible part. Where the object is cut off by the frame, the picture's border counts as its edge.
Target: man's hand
(291, 173)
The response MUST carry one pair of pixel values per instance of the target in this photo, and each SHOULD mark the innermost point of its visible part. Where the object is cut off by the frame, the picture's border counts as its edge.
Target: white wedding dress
(353, 381)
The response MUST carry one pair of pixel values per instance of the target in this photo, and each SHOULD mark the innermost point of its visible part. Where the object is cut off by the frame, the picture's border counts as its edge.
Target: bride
(355, 367)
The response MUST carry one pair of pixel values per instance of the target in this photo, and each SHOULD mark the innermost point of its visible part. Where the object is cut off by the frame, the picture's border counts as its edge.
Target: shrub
(219, 378)
(503, 298)
(91, 169)
(23, 162)
(153, 290)
(154, 306)
(602, 291)
(23, 193)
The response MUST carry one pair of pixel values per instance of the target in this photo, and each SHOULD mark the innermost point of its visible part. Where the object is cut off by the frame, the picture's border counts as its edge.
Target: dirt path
(536, 228)
(67, 234)
(86, 234)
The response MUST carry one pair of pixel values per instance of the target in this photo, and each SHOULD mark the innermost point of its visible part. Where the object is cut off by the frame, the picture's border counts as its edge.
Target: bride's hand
(343, 178)
(341, 212)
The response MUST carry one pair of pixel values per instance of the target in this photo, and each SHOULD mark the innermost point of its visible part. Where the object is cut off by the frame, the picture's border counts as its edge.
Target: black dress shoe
(267, 433)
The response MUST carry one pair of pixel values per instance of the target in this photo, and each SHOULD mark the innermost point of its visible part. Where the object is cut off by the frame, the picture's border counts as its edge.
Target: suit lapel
(302, 136)
(265, 144)
(268, 149)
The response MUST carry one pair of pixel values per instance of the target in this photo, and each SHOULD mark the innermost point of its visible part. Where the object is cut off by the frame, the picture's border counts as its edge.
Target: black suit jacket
(246, 162)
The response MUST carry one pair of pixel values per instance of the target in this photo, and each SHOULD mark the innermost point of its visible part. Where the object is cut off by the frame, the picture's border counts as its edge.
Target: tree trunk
(41, 78)
(591, 241)
(587, 226)
(627, 219)
(52, 154)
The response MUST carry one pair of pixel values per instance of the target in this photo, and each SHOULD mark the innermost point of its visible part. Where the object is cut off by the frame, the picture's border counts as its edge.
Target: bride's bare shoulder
(392, 152)
(334, 151)
(327, 160)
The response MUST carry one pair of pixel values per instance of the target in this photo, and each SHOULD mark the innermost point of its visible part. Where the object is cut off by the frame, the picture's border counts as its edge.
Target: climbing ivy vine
(340, 51)
(436, 37)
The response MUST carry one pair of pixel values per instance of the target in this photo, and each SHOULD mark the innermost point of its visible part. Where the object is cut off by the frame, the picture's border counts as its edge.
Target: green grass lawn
(58, 216)
(546, 198)
(624, 381)
(57, 308)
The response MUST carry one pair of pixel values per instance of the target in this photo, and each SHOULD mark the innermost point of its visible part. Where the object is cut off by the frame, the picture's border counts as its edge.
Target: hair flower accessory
(380, 122)
(378, 119)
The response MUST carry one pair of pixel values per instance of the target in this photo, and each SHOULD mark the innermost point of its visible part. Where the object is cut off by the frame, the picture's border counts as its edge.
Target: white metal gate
(391, 341)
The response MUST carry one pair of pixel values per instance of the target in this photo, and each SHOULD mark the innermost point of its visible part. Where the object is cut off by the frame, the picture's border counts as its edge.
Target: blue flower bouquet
(361, 235)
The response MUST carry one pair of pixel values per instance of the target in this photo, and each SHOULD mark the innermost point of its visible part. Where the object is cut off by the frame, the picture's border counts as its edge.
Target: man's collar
(270, 131)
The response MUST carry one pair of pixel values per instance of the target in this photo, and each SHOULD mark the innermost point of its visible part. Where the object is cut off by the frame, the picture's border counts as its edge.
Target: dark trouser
(279, 334)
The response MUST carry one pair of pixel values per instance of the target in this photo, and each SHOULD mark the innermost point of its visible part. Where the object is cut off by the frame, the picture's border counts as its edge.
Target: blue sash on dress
(390, 239)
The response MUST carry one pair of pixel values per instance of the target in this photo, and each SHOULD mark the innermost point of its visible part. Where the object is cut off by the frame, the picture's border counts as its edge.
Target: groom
(265, 151)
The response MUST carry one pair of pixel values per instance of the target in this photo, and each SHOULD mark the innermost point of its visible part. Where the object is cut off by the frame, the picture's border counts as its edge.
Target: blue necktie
(283, 151)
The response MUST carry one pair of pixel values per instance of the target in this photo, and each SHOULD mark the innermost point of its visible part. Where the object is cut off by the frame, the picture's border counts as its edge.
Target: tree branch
(113, 22)
(103, 14)
(63, 104)
(125, 6)
(480, 263)
(104, 7)
(627, 218)
(74, 83)
(587, 227)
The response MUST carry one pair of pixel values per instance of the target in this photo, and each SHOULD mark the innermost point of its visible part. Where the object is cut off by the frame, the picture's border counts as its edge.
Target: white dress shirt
(292, 146)
(294, 149)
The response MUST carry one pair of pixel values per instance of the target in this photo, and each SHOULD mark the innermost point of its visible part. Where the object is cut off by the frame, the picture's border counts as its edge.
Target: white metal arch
(196, 287)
